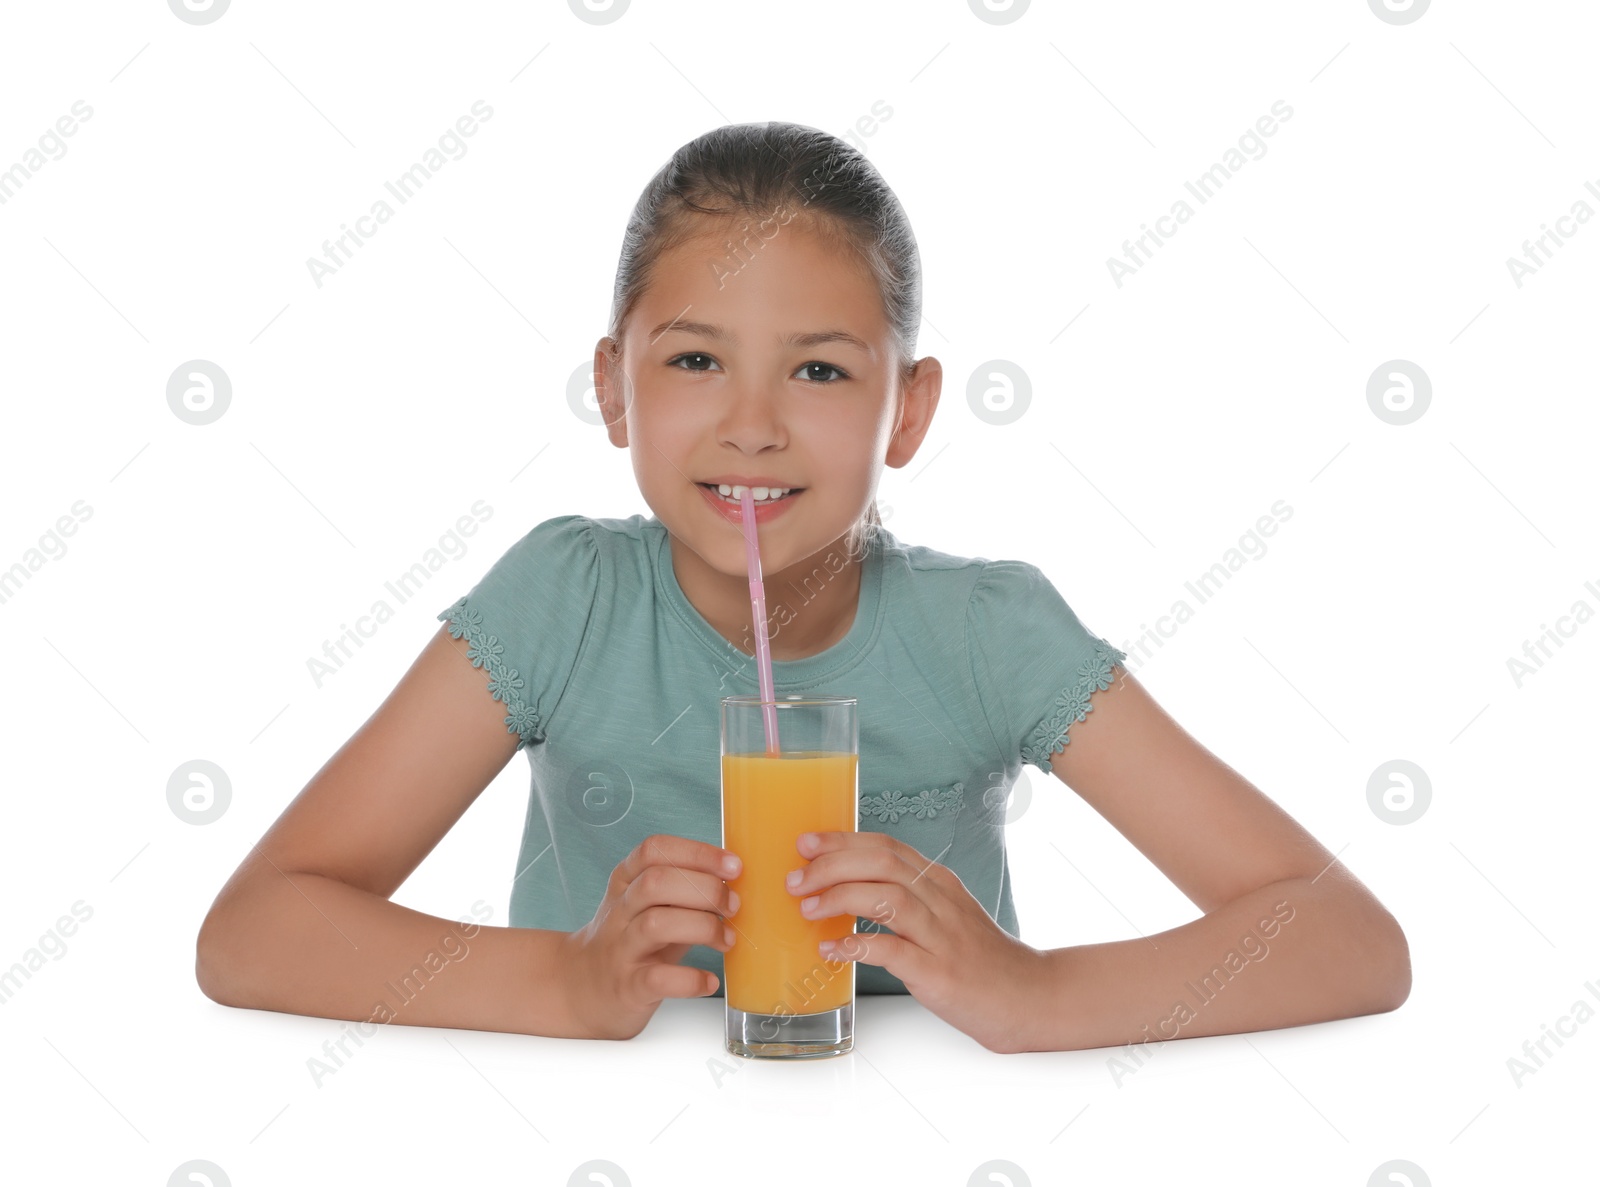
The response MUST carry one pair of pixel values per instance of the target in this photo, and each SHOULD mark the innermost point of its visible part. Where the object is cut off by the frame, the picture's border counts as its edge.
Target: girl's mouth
(730, 509)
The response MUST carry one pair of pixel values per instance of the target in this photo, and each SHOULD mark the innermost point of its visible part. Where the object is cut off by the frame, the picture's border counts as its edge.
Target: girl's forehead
(741, 274)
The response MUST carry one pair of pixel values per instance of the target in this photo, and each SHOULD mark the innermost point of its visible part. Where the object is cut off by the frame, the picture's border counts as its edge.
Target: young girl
(762, 334)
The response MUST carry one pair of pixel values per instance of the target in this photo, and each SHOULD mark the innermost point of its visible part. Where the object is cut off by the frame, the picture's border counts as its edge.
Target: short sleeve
(526, 620)
(1035, 664)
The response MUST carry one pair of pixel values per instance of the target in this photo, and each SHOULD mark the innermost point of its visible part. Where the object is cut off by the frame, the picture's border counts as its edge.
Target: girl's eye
(826, 367)
(692, 355)
(840, 374)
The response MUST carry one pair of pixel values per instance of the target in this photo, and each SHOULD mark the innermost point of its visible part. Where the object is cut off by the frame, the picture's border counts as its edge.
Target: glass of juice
(784, 999)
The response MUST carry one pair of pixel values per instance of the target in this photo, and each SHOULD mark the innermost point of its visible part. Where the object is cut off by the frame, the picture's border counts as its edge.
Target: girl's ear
(610, 385)
(919, 397)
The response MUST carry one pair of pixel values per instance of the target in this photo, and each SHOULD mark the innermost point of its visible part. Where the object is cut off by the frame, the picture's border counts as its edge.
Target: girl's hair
(770, 173)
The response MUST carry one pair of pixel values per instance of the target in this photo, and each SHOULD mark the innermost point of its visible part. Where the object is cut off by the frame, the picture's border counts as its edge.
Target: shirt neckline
(790, 675)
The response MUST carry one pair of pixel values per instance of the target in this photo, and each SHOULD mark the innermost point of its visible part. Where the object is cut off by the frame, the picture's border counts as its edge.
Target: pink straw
(758, 606)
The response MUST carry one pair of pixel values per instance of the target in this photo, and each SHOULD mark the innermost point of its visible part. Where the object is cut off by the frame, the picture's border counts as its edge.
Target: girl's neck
(811, 605)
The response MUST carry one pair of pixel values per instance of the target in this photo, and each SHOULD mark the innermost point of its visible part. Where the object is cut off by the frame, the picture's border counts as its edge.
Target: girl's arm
(305, 925)
(1289, 935)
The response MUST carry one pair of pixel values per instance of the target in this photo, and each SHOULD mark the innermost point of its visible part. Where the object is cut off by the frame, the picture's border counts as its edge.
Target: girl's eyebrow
(706, 330)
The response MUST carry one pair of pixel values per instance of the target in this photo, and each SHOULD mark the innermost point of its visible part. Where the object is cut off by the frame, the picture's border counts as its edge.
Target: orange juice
(768, 801)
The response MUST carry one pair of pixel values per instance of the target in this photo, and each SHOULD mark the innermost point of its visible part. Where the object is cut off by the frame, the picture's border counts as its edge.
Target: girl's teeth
(758, 493)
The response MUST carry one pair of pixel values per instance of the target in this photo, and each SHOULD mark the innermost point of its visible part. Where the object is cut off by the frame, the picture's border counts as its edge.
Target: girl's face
(776, 365)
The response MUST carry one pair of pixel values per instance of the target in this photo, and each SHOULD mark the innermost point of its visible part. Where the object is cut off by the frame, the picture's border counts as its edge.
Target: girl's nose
(753, 420)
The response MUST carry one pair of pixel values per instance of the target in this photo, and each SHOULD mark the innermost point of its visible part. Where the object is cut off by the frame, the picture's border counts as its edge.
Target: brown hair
(756, 171)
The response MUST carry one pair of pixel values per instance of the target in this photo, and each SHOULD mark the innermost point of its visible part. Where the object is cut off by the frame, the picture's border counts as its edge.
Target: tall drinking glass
(784, 999)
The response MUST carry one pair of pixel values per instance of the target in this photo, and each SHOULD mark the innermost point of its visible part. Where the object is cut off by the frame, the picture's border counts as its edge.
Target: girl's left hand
(951, 955)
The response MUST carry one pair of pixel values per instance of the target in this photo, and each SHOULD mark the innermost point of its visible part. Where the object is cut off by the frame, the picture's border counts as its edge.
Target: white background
(1167, 415)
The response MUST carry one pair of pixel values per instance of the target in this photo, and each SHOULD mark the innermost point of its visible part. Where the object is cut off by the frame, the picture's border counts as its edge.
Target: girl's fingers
(888, 904)
(653, 982)
(873, 876)
(867, 857)
(661, 885)
(681, 853)
(658, 927)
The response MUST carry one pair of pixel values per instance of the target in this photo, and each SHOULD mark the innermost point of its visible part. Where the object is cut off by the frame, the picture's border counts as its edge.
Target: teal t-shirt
(963, 669)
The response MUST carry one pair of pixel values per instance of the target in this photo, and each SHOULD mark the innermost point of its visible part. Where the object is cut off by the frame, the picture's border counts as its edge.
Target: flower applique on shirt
(505, 682)
(889, 806)
(1072, 704)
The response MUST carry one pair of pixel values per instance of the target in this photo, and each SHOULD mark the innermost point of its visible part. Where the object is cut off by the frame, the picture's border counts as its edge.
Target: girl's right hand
(667, 895)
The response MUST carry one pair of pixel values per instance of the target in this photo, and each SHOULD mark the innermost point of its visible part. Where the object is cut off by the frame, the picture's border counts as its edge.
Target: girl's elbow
(212, 965)
(1393, 985)
(1378, 960)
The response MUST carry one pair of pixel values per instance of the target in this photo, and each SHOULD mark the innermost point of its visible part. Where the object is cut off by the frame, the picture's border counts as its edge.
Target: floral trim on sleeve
(922, 804)
(891, 805)
(505, 683)
(1072, 705)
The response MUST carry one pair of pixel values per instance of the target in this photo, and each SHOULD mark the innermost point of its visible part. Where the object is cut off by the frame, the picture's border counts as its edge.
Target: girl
(762, 334)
